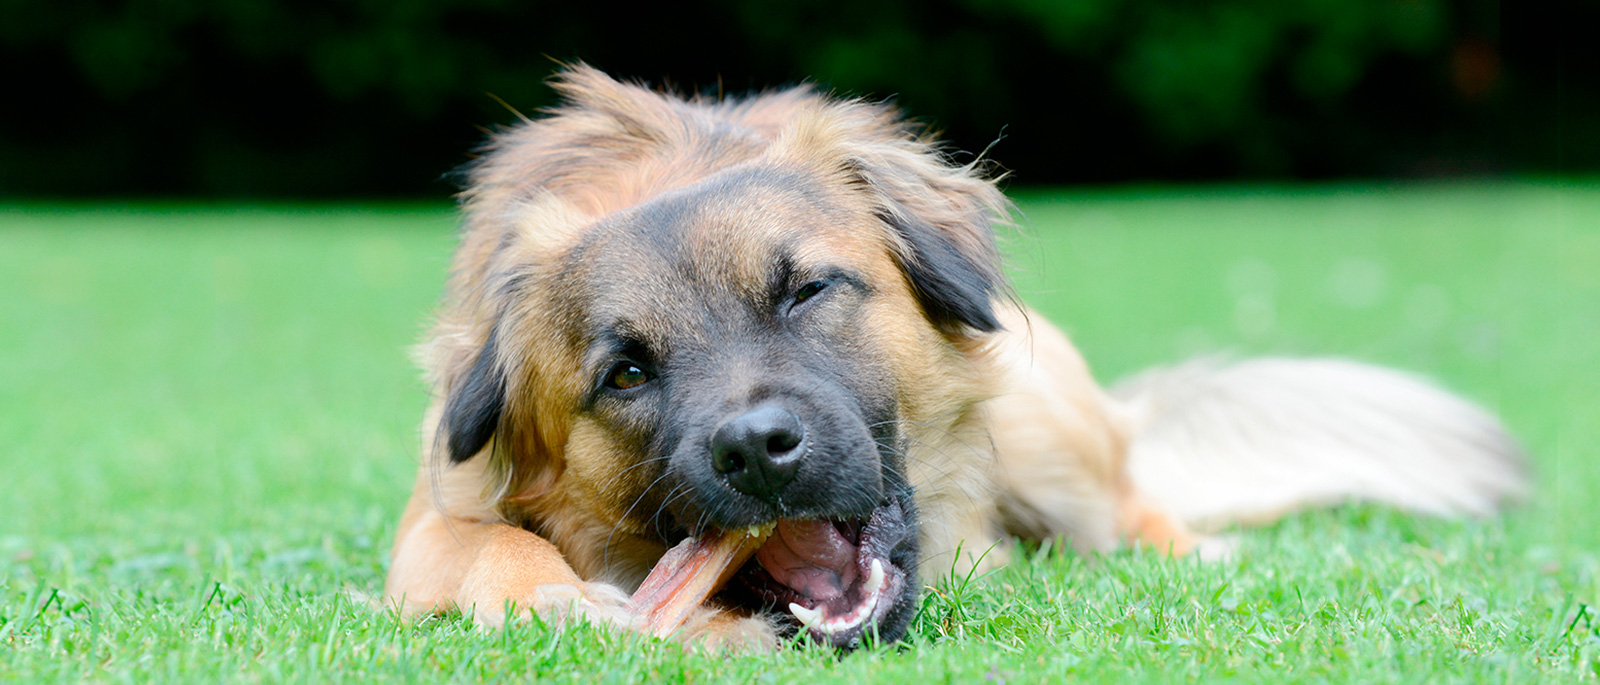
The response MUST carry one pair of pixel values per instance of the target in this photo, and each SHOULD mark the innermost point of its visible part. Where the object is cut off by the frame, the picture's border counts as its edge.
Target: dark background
(289, 98)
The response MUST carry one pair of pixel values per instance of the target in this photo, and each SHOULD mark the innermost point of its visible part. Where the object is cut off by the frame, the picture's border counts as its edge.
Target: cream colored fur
(1217, 443)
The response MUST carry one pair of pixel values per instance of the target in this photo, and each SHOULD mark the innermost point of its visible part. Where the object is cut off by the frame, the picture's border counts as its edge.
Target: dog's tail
(1218, 444)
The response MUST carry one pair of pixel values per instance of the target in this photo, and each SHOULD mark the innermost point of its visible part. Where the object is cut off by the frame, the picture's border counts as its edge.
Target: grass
(209, 420)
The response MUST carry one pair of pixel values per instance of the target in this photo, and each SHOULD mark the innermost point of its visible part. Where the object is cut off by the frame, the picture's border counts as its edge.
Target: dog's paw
(708, 629)
(720, 631)
(561, 605)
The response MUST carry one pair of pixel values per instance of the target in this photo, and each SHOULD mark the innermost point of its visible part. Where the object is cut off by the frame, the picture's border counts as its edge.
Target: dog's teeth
(875, 578)
(810, 618)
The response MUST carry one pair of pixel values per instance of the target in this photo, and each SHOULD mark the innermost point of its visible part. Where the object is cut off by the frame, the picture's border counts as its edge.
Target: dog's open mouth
(833, 577)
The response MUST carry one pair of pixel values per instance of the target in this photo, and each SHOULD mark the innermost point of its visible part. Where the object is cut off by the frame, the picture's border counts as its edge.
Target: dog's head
(671, 316)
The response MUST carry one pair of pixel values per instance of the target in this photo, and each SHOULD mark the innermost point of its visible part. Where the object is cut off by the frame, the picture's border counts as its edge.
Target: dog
(672, 316)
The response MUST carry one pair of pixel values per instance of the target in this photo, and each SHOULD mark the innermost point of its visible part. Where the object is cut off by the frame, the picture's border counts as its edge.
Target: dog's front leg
(491, 570)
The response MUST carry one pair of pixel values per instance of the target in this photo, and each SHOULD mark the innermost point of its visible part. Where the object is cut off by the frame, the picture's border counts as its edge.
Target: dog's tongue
(811, 557)
(690, 573)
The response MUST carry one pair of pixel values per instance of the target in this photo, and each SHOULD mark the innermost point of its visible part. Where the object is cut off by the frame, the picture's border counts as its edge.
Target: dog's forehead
(731, 232)
(690, 264)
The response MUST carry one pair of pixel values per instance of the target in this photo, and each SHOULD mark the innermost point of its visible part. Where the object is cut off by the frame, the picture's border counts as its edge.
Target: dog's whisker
(620, 520)
(618, 476)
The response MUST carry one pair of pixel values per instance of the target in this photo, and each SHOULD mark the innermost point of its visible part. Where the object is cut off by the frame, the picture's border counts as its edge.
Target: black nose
(758, 452)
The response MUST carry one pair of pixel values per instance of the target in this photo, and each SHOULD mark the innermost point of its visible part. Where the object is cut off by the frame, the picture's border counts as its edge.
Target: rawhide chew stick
(690, 573)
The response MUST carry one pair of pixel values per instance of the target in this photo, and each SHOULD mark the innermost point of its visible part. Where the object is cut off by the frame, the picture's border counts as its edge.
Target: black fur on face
(843, 470)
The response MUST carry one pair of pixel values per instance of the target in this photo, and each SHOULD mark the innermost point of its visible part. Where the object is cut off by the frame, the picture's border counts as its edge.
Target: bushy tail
(1218, 444)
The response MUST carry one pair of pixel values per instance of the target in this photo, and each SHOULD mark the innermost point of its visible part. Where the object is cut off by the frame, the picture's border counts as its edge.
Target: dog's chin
(839, 580)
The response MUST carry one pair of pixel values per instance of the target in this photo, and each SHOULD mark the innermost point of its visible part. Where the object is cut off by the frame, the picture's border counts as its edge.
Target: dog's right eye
(625, 375)
(808, 291)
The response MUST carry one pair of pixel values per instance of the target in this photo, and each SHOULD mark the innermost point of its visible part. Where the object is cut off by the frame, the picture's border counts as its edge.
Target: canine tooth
(868, 607)
(874, 578)
(810, 618)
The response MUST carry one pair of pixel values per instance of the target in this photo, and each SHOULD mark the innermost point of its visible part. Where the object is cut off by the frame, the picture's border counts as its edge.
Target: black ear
(956, 286)
(942, 216)
(473, 411)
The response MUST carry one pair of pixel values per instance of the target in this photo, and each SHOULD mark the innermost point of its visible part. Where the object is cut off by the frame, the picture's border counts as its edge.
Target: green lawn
(208, 425)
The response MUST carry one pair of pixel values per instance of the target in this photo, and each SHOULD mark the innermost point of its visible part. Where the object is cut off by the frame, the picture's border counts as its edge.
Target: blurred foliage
(249, 97)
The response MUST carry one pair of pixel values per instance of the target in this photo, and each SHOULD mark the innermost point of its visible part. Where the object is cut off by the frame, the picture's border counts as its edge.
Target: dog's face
(736, 344)
(739, 350)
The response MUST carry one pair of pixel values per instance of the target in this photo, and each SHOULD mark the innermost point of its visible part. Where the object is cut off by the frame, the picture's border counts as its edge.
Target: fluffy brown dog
(671, 317)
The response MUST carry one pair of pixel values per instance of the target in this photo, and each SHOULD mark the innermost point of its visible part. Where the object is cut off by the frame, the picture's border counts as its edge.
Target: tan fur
(1009, 434)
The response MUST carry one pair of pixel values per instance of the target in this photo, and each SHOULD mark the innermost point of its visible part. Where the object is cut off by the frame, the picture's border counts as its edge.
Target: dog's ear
(956, 284)
(942, 217)
(476, 403)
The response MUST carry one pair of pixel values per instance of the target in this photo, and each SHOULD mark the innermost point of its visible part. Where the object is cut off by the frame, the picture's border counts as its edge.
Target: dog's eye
(626, 375)
(808, 291)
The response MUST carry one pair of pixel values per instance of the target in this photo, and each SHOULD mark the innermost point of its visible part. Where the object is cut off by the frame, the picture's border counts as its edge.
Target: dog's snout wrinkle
(759, 451)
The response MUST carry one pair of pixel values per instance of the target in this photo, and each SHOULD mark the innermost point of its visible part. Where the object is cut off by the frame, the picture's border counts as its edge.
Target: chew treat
(690, 573)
